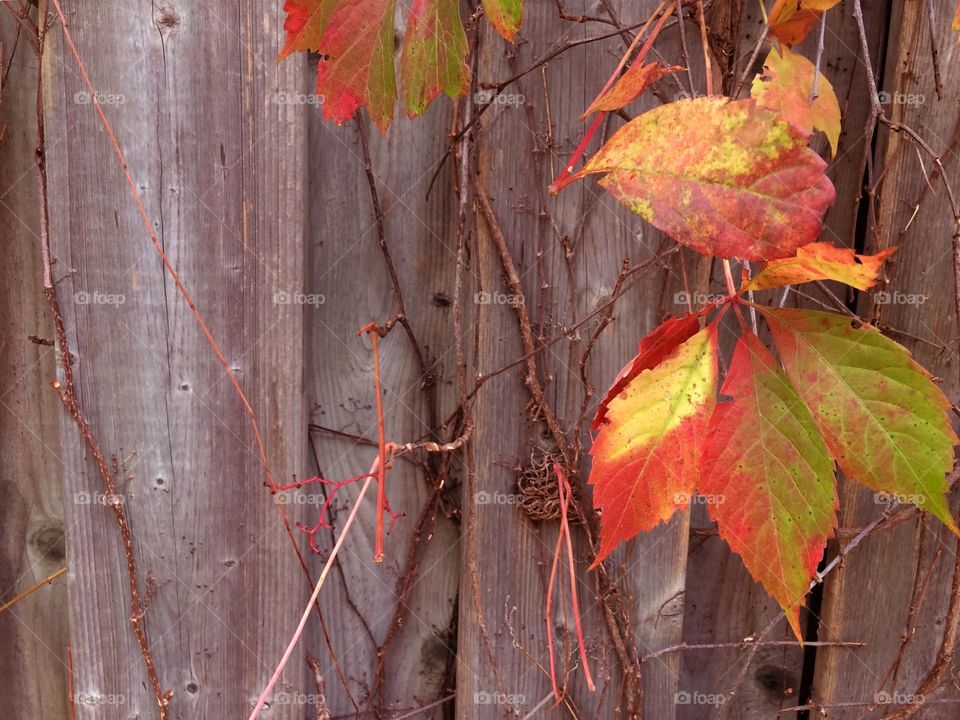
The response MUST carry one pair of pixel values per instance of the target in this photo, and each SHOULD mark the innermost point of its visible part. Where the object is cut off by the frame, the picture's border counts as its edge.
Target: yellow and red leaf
(768, 477)
(821, 261)
(726, 177)
(646, 457)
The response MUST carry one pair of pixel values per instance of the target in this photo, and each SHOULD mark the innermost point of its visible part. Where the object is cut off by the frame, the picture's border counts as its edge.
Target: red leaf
(791, 20)
(646, 457)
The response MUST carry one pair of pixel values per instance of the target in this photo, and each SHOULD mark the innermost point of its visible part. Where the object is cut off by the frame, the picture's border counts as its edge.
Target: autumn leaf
(726, 177)
(356, 67)
(956, 20)
(653, 349)
(434, 47)
(629, 86)
(791, 20)
(768, 477)
(821, 261)
(646, 457)
(880, 414)
(504, 15)
(786, 85)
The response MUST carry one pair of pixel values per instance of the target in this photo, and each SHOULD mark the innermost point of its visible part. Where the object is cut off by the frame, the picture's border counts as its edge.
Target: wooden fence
(266, 212)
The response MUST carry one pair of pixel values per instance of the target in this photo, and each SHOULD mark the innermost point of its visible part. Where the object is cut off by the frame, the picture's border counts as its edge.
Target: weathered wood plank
(517, 162)
(347, 267)
(35, 631)
(869, 598)
(189, 89)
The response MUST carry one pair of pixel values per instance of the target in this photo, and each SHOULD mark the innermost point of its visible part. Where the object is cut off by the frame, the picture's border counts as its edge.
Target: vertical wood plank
(189, 90)
(32, 547)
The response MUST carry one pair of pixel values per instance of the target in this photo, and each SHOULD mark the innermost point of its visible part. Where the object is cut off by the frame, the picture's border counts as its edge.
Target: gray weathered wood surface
(266, 212)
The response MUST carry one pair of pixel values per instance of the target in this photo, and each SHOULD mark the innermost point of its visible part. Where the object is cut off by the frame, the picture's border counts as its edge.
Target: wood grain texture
(190, 92)
(869, 599)
(347, 267)
(32, 547)
(561, 287)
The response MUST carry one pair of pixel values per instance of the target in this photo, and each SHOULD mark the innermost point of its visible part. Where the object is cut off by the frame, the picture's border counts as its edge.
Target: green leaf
(504, 15)
(434, 49)
(881, 415)
(768, 477)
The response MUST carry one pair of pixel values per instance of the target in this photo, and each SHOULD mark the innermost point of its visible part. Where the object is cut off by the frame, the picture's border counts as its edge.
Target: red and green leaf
(786, 85)
(629, 86)
(726, 177)
(646, 457)
(504, 15)
(768, 477)
(821, 261)
(880, 414)
(434, 49)
(791, 20)
(355, 39)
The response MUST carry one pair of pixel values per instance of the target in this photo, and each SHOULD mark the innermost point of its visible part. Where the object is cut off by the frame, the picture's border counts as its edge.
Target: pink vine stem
(564, 490)
(316, 592)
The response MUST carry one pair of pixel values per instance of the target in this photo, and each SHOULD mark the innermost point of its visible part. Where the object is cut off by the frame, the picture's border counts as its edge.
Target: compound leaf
(726, 177)
(768, 477)
(880, 414)
(646, 457)
(821, 261)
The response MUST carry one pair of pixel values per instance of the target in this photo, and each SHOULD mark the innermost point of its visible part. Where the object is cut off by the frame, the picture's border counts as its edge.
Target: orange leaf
(629, 86)
(791, 20)
(646, 457)
(821, 261)
(786, 85)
